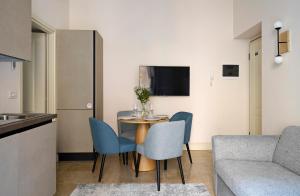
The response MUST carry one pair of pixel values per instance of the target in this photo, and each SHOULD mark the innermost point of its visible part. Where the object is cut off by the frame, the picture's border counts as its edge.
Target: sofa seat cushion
(254, 178)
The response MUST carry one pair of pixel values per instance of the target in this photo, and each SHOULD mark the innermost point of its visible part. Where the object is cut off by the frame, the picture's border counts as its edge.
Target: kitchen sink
(12, 116)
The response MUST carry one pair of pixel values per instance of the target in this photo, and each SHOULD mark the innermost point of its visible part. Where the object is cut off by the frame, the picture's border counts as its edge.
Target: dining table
(143, 125)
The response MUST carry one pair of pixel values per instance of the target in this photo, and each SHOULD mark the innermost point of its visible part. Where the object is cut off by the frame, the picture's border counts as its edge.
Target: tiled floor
(69, 174)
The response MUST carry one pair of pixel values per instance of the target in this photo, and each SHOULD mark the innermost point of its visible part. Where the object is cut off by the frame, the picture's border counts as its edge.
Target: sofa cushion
(287, 152)
(254, 178)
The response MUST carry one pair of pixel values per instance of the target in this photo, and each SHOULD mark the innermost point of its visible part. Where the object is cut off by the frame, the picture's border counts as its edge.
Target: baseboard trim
(76, 156)
(87, 156)
(199, 146)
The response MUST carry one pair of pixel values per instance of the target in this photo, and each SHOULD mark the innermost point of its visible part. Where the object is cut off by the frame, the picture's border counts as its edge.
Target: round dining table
(143, 126)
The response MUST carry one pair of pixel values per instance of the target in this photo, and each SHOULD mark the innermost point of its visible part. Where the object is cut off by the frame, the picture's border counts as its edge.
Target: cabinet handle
(89, 105)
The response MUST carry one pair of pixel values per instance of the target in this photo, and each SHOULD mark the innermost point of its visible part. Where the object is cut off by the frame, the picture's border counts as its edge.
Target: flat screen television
(166, 80)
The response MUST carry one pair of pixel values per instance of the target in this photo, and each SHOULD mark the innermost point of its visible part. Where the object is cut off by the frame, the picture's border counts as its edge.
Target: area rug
(140, 190)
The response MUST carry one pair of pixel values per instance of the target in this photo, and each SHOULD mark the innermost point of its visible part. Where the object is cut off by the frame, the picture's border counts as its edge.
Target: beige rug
(140, 190)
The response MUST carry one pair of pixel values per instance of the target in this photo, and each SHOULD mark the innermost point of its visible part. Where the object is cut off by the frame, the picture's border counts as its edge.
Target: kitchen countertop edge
(25, 124)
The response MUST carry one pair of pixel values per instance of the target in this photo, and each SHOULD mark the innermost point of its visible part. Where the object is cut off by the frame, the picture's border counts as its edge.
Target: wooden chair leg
(137, 165)
(95, 160)
(165, 164)
(181, 170)
(101, 168)
(158, 175)
(189, 152)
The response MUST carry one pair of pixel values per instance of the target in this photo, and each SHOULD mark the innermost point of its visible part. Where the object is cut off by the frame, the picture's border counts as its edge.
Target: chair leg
(126, 158)
(165, 164)
(181, 170)
(189, 152)
(134, 160)
(158, 175)
(137, 167)
(101, 168)
(95, 160)
(123, 156)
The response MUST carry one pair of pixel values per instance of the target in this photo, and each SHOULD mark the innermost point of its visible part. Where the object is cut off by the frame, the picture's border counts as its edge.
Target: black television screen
(166, 80)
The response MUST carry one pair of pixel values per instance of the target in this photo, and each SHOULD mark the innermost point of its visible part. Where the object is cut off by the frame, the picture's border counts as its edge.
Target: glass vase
(144, 109)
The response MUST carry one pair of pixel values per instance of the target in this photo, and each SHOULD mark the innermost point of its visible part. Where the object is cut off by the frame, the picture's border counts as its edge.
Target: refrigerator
(79, 76)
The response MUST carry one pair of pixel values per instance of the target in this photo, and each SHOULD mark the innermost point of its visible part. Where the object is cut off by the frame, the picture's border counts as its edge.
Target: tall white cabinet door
(74, 133)
(74, 65)
(15, 28)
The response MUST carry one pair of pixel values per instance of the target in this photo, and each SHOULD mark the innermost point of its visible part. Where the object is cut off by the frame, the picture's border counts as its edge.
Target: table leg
(145, 163)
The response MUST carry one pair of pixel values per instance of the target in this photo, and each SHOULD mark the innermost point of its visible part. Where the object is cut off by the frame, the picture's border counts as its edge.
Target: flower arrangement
(142, 93)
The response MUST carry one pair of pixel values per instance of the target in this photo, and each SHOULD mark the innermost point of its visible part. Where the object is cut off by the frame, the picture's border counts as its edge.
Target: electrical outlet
(12, 95)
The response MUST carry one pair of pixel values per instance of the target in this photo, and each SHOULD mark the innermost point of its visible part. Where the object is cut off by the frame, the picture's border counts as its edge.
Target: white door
(255, 87)
(34, 77)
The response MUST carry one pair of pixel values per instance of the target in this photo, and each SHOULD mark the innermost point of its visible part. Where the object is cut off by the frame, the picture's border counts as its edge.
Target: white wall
(53, 12)
(172, 32)
(10, 80)
(247, 13)
(280, 83)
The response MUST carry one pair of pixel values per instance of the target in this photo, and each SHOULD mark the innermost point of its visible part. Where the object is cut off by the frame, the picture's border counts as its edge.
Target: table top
(143, 121)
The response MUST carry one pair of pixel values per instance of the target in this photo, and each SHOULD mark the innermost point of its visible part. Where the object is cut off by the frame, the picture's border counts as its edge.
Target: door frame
(252, 40)
(50, 63)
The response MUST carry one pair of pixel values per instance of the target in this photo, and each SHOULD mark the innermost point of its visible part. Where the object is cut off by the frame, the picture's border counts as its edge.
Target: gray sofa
(257, 165)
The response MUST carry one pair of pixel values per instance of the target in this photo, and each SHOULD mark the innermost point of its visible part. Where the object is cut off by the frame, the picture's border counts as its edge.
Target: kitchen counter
(26, 122)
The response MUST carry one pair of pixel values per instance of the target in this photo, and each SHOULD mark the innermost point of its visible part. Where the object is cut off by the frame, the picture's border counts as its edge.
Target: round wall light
(278, 25)
(278, 59)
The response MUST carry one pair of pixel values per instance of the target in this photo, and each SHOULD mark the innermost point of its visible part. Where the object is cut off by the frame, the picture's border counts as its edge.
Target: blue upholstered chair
(106, 142)
(163, 141)
(125, 129)
(188, 118)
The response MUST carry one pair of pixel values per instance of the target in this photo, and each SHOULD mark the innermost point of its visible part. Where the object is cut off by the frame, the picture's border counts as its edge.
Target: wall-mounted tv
(166, 80)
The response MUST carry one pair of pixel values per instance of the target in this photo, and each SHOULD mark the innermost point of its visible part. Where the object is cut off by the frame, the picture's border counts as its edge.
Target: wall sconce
(282, 42)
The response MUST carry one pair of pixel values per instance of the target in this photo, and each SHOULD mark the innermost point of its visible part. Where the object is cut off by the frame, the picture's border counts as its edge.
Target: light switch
(12, 95)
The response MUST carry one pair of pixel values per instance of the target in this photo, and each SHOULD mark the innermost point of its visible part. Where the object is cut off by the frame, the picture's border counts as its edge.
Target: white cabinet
(8, 165)
(15, 28)
(28, 162)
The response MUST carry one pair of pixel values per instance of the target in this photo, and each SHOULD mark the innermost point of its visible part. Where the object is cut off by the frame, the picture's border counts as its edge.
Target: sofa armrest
(253, 148)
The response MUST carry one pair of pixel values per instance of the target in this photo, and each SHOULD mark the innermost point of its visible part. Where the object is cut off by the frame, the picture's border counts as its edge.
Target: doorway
(255, 80)
(39, 74)
(34, 76)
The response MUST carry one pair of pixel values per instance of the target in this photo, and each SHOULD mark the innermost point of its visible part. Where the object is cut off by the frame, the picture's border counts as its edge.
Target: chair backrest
(123, 127)
(188, 118)
(105, 140)
(164, 140)
(287, 152)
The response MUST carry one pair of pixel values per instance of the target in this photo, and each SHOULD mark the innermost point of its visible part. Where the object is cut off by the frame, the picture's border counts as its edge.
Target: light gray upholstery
(223, 189)
(256, 178)
(257, 165)
(287, 152)
(253, 148)
(163, 141)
